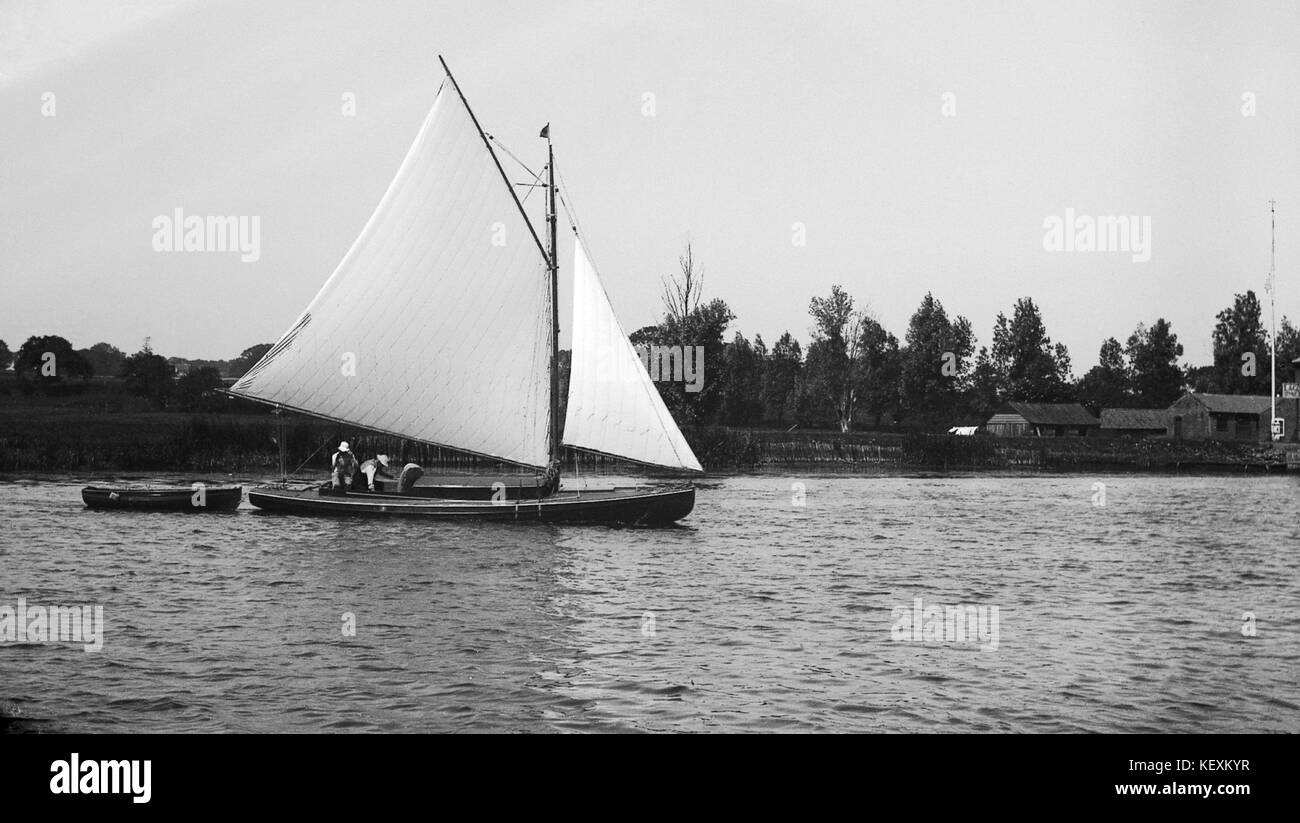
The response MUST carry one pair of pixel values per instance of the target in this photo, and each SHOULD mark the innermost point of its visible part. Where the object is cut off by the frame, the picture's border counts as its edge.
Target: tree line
(47, 363)
(855, 372)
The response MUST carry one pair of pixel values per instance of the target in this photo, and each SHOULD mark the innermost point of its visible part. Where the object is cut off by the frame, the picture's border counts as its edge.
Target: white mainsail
(614, 408)
(435, 325)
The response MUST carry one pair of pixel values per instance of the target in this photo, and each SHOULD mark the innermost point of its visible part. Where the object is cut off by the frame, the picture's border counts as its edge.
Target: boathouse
(1017, 419)
(1202, 416)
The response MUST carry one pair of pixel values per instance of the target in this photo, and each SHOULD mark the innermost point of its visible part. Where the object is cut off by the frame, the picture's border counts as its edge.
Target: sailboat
(441, 325)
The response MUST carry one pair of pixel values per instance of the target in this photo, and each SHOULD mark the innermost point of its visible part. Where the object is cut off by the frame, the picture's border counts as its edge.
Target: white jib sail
(614, 407)
(435, 324)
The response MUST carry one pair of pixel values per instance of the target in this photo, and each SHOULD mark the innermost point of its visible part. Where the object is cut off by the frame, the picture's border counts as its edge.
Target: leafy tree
(194, 390)
(1106, 385)
(105, 359)
(1034, 370)
(880, 367)
(985, 393)
(149, 375)
(6, 356)
(688, 322)
(935, 345)
(834, 367)
(1202, 379)
(1239, 333)
(48, 359)
(742, 381)
(1288, 349)
(782, 375)
(245, 361)
(1153, 358)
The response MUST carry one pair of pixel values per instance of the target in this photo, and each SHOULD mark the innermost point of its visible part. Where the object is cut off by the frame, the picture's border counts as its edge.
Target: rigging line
(536, 177)
(570, 209)
(313, 454)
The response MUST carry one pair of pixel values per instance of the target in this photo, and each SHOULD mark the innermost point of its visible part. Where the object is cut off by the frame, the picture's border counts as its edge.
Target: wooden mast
(555, 300)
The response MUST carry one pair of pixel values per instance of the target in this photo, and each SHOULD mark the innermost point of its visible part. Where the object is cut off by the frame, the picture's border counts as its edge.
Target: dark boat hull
(626, 506)
(174, 498)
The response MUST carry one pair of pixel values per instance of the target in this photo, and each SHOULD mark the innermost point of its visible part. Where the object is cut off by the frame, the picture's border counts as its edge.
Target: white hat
(343, 446)
(383, 460)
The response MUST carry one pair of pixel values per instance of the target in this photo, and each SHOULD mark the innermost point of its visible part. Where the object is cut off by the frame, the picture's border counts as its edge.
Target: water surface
(758, 614)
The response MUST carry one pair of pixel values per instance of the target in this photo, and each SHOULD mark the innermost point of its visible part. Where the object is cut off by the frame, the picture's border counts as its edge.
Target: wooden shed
(1202, 416)
(1017, 419)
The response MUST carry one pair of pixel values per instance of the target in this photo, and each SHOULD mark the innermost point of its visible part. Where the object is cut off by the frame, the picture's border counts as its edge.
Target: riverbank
(40, 435)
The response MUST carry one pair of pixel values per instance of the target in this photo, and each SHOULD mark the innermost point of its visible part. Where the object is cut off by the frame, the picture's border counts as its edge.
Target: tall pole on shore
(1272, 316)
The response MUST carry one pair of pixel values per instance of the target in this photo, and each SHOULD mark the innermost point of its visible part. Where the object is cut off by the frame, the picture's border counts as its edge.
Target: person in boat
(550, 480)
(343, 466)
(377, 465)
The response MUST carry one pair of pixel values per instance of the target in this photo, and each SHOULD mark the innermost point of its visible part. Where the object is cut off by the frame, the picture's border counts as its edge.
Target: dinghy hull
(625, 506)
(159, 498)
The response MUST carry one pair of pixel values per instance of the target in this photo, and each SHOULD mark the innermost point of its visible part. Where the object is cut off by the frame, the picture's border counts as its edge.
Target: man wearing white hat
(343, 465)
(375, 466)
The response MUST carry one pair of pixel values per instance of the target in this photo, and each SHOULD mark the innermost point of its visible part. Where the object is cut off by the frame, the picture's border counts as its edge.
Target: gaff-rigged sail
(614, 408)
(434, 326)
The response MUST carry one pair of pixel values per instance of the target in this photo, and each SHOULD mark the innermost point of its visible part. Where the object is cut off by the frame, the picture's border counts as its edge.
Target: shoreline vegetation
(39, 438)
(859, 397)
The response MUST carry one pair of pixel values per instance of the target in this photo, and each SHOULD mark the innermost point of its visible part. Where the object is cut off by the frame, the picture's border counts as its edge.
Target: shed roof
(1054, 414)
(1135, 418)
(1233, 403)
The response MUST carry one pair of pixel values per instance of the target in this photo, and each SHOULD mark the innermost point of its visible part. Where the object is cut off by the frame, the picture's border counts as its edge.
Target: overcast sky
(830, 115)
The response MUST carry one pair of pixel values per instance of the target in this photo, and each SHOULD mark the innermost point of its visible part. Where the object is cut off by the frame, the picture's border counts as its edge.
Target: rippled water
(762, 614)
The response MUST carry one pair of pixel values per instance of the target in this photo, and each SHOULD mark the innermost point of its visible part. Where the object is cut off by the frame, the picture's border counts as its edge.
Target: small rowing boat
(195, 498)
